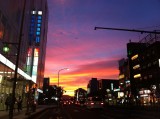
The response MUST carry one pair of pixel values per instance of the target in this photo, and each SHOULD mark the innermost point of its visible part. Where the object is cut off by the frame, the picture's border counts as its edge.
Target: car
(66, 102)
(94, 102)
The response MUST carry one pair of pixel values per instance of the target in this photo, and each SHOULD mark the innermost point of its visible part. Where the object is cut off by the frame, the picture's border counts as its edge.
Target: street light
(59, 72)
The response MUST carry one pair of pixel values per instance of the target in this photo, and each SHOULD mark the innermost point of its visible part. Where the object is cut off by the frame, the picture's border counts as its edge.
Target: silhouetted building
(80, 95)
(124, 81)
(46, 83)
(92, 87)
(108, 90)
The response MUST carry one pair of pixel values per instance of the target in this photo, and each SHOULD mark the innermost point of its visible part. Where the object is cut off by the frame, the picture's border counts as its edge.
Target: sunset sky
(73, 43)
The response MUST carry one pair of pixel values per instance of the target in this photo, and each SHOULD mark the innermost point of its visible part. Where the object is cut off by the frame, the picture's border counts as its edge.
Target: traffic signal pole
(131, 30)
(17, 63)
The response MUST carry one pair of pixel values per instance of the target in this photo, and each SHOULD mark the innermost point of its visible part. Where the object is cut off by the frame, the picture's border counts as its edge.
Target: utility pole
(17, 63)
(131, 30)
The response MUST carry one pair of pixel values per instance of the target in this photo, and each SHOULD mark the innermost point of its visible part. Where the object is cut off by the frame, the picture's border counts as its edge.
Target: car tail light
(92, 103)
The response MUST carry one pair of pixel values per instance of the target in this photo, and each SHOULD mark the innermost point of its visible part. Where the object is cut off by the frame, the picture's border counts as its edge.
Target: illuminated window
(37, 33)
(137, 76)
(37, 39)
(121, 76)
(134, 57)
(36, 52)
(38, 29)
(39, 17)
(34, 72)
(39, 21)
(35, 61)
(136, 66)
(38, 25)
(33, 12)
(39, 12)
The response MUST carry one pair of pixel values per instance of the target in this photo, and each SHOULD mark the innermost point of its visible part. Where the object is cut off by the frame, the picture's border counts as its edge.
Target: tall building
(27, 23)
(144, 65)
(37, 39)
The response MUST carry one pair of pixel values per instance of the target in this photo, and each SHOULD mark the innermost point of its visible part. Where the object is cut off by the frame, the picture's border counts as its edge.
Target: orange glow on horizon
(71, 81)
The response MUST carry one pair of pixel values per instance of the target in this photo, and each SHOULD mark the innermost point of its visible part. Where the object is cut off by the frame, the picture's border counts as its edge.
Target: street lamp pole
(59, 72)
(17, 63)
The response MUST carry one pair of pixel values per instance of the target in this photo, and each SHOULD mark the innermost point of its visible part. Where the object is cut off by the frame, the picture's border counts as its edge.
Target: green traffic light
(6, 49)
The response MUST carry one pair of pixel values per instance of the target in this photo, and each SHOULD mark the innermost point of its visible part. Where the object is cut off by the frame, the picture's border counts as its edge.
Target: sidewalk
(22, 114)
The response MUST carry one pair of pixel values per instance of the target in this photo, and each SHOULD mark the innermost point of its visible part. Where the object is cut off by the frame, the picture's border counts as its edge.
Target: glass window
(33, 17)
(33, 12)
(37, 33)
(39, 12)
(39, 21)
(38, 29)
(32, 24)
(38, 25)
(37, 39)
(39, 17)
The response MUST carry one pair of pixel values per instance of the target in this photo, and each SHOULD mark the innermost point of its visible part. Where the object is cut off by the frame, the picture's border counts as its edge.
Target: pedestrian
(8, 102)
(33, 104)
(19, 103)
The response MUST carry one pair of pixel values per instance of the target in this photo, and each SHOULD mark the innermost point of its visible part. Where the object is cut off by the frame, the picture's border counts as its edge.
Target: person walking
(19, 103)
(8, 102)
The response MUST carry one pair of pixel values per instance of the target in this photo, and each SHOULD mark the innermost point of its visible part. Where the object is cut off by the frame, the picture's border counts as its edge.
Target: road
(79, 112)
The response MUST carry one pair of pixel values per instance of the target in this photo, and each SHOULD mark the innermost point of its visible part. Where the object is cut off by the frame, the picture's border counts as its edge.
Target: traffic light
(6, 48)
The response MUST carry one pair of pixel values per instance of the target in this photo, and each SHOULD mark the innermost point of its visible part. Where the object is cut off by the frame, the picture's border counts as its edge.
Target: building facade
(92, 87)
(144, 63)
(18, 27)
(124, 81)
(80, 95)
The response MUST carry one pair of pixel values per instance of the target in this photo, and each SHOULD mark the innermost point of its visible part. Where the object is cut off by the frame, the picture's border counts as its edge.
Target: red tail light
(92, 103)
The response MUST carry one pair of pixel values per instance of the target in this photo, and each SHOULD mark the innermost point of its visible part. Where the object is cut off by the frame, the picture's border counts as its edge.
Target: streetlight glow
(59, 72)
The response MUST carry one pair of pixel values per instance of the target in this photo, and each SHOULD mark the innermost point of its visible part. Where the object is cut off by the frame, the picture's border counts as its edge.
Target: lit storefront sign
(120, 94)
(35, 27)
(35, 64)
(144, 93)
(12, 66)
